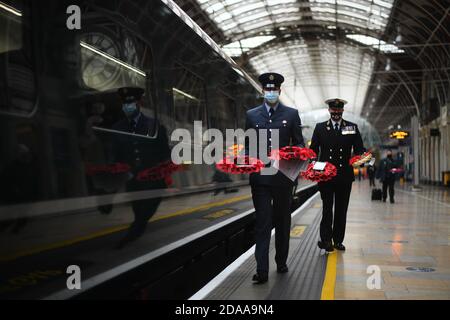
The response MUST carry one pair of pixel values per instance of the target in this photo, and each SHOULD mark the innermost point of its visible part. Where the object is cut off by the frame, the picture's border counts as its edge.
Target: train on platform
(72, 208)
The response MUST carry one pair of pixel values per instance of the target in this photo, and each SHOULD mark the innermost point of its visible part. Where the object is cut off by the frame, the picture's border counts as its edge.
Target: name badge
(348, 130)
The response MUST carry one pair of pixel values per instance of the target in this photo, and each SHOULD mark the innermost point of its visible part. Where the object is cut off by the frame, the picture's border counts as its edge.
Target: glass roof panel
(314, 69)
(236, 16)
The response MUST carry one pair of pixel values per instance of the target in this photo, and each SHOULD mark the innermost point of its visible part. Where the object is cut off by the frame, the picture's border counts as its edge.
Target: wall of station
(434, 156)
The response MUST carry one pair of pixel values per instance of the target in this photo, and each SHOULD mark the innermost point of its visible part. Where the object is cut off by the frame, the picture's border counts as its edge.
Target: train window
(224, 114)
(17, 82)
(110, 61)
(112, 58)
(188, 99)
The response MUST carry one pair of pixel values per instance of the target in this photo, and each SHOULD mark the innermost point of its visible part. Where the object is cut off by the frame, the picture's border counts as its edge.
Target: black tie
(336, 127)
(271, 112)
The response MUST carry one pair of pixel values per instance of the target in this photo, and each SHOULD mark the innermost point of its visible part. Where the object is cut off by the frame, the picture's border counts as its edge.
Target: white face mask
(271, 96)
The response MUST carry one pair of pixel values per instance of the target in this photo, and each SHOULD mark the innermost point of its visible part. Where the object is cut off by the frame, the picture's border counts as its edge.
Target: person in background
(371, 170)
(386, 174)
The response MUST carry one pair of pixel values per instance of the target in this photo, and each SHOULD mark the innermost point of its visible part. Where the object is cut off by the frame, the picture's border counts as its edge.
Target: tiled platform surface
(413, 232)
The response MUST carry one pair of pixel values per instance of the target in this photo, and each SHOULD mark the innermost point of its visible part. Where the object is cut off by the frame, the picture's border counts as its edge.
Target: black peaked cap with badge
(130, 94)
(336, 103)
(271, 80)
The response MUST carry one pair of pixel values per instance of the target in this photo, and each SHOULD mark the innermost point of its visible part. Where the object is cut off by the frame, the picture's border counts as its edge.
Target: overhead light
(375, 43)
(111, 58)
(10, 9)
(399, 37)
(388, 64)
(331, 27)
(187, 95)
(373, 99)
(378, 85)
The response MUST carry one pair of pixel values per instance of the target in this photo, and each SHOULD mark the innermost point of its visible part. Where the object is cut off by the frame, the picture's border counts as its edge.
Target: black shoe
(326, 245)
(384, 200)
(282, 269)
(260, 278)
(339, 246)
(392, 201)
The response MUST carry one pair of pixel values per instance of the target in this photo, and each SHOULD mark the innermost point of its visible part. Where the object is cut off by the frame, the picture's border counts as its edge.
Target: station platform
(393, 251)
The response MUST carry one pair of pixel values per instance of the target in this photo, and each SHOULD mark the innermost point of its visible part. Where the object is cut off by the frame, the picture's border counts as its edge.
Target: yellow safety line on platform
(329, 283)
(111, 230)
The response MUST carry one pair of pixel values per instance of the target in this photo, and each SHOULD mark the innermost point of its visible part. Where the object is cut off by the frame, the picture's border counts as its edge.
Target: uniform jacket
(138, 150)
(287, 121)
(336, 147)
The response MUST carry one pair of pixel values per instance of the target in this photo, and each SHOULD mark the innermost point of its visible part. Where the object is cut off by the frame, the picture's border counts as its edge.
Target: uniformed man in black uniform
(333, 141)
(145, 146)
(272, 194)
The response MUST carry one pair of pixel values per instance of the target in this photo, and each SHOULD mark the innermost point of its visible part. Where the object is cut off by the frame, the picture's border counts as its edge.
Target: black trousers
(332, 227)
(273, 209)
(388, 184)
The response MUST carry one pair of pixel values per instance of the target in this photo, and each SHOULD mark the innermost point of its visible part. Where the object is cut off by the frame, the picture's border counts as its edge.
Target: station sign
(399, 134)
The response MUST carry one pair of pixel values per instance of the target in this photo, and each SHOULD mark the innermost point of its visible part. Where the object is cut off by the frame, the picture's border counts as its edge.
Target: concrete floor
(413, 232)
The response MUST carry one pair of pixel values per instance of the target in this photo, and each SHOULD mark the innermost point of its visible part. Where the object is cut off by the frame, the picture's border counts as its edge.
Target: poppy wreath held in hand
(293, 152)
(114, 168)
(240, 165)
(327, 174)
(356, 161)
(162, 171)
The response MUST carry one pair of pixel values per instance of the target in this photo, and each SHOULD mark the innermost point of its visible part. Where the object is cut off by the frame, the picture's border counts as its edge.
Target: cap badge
(271, 77)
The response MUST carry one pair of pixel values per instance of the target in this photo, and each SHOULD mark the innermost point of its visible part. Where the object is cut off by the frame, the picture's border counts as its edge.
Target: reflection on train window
(17, 85)
(223, 115)
(188, 99)
(110, 61)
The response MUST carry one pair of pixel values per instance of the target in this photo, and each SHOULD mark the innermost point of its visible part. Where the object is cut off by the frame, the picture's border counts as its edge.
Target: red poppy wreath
(293, 152)
(162, 171)
(327, 174)
(240, 165)
(358, 160)
(114, 168)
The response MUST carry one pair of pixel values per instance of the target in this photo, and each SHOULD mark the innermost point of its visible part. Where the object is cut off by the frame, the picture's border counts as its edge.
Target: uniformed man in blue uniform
(272, 194)
(333, 141)
(145, 146)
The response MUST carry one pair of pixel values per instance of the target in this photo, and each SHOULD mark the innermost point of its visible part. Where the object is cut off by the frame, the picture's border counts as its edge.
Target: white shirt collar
(339, 122)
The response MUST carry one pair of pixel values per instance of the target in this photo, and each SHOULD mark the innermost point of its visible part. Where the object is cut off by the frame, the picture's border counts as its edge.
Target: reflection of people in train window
(96, 152)
(19, 183)
(221, 177)
(147, 147)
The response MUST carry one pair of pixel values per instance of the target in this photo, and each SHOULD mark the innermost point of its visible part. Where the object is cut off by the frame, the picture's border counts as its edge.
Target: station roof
(372, 53)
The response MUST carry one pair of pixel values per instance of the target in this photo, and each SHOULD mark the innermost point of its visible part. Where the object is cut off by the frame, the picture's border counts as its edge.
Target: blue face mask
(271, 96)
(129, 109)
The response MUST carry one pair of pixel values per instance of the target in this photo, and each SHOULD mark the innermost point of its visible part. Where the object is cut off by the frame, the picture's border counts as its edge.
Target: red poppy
(293, 152)
(327, 174)
(162, 171)
(360, 159)
(115, 168)
(240, 165)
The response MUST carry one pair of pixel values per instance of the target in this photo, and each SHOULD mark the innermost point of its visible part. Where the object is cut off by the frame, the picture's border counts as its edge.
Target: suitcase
(377, 194)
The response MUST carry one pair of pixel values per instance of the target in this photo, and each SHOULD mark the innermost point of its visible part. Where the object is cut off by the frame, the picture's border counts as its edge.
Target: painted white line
(215, 282)
(423, 197)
